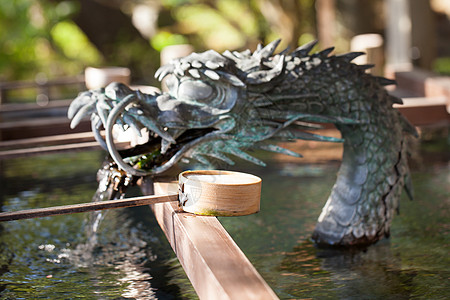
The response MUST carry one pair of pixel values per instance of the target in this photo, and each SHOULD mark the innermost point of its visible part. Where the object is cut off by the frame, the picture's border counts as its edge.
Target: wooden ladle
(203, 192)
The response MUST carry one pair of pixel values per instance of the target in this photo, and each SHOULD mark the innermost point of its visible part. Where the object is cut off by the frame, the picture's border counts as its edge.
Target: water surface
(59, 258)
(412, 264)
(129, 258)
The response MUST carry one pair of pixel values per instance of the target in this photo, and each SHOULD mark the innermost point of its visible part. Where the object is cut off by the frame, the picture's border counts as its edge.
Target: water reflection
(127, 256)
(372, 273)
(121, 254)
(127, 253)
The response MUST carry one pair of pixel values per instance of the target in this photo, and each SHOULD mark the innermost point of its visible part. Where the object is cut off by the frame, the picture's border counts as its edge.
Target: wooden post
(372, 45)
(326, 15)
(398, 33)
(423, 34)
(100, 77)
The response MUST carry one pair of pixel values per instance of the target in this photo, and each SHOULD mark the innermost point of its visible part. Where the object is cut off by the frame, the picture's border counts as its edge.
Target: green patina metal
(220, 105)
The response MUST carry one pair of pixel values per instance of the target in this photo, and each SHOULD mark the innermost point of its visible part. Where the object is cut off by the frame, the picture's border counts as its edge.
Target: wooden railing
(213, 262)
(41, 86)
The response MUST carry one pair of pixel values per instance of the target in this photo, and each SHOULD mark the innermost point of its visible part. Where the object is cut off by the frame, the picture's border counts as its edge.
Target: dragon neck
(365, 196)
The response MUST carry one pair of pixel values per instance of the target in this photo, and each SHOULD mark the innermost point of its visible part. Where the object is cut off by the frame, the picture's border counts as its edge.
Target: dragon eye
(195, 90)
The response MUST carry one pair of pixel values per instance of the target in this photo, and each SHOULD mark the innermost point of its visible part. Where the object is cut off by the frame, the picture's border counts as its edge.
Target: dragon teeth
(165, 145)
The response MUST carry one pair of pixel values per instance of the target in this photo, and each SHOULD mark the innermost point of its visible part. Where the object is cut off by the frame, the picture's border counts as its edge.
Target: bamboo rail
(85, 207)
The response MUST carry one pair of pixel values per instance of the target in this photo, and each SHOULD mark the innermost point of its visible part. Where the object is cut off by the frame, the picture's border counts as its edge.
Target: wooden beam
(36, 127)
(33, 107)
(16, 153)
(426, 111)
(36, 122)
(214, 264)
(48, 140)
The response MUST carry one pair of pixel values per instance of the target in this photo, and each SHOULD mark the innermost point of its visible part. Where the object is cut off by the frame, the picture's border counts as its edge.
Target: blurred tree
(113, 34)
(55, 38)
(62, 37)
(289, 18)
(33, 39)
(233, 24)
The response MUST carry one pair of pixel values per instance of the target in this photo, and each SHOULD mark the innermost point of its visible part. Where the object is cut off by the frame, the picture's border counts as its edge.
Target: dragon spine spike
(267, 51)
(230, 55)
(395, 99)
(304, 49)
(348, 57)
(366, 67)
(285, 51)
(196, 64)
(385, 81)
(326, 52)
(407, 126)
(259, 47)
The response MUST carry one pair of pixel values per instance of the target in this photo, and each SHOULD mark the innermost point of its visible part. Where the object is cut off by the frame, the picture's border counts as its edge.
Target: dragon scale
(220, 105)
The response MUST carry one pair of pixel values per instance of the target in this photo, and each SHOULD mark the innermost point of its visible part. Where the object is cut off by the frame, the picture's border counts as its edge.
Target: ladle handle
(85, 207)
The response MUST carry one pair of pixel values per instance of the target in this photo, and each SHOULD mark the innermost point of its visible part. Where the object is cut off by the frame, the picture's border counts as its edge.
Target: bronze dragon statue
(220, 105)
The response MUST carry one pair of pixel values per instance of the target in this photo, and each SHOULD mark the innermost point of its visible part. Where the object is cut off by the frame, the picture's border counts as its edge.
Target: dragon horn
(304, 49)
(260, 77)
(163, 71)
(80, 101)
(267, 51)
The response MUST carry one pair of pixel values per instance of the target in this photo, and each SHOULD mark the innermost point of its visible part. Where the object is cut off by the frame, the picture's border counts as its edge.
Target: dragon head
(216, 105)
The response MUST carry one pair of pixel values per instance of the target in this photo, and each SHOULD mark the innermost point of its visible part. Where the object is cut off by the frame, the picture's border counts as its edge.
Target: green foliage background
(41, 38)
(44, 39)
